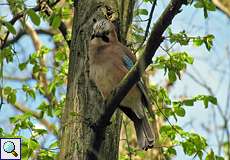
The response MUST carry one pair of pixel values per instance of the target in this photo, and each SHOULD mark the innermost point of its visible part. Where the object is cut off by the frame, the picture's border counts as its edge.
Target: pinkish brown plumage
(108, 66)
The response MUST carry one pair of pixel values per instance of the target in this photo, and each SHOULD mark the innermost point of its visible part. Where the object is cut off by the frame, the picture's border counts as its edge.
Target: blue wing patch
(128, 62)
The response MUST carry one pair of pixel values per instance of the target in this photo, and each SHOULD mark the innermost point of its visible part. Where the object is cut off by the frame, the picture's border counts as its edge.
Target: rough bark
(83, 101)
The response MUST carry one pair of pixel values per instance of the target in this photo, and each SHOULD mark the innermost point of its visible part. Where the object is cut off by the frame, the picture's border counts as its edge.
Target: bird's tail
(145, 136)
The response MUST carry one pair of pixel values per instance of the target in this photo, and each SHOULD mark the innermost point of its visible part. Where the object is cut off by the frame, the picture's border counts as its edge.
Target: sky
(212, 66)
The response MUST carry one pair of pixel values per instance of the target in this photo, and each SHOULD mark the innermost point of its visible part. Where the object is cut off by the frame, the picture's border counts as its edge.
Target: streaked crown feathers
(103, 26)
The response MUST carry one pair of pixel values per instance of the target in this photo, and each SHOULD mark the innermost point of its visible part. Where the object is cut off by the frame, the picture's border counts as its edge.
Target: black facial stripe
(105, 38)
(92, 37)
(100, 31)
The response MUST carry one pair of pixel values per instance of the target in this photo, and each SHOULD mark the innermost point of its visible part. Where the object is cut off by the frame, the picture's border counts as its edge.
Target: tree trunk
(83, 101)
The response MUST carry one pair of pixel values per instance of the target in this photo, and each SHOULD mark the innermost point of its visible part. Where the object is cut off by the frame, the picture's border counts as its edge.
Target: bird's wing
(129, 59)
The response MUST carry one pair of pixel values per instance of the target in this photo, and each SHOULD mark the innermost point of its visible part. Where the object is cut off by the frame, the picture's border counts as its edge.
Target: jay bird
(109, 62)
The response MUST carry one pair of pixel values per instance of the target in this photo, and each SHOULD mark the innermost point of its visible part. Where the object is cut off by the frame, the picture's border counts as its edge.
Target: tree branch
(50, 127)
(42, 76)
(133, 75)
(14, 19)
(62, 27)
(148, 25)
(12, 78)
(21, 33)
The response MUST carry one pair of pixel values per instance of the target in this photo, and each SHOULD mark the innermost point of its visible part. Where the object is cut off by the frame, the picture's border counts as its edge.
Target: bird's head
(104, 30)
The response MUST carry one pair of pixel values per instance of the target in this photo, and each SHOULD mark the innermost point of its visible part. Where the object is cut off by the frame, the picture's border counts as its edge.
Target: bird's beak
(93, 36)
(99, 34)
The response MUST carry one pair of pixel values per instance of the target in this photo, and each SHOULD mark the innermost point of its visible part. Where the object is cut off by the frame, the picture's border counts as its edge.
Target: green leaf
(43, 106)
(188, 102)
(219, 158)
(205, 101)
(188, 148)
(138, 37)
(11, 98)
(179, 111)
(210, 155)
(22, 66)
(56, 22)
(32, 94)
(198, 42)
(34, 17)
(52, 87)
(10, 27)
(33, 144)
(7, 90)
(168, 131)
(171, 151)
(141, 12)
(11, 94)
(171, 76)
(180, 37)
(40, 131)
(208, 41)
(43, 51)
(29, 91)
(148, 1)
(168, 112)
(7, 54)
(207, 5)
(60, 56)
(189, 59)
(212, 99)
(54, 144)
(165, 128)
(199, 4)
(200, 154)
(36, 68)
(210, 6)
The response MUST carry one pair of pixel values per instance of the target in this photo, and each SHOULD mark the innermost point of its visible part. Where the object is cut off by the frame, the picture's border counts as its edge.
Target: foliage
(176, 63)
(48, 91)
(193, 144)
(206, 5)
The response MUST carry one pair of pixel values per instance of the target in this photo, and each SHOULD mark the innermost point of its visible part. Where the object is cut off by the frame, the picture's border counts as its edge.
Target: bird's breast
(104, 75)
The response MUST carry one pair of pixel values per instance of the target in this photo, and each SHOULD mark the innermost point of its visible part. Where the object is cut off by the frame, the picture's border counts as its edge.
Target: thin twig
(148, 25)
(24, 109)
(207, 88)
(127, 140)
(21, 33)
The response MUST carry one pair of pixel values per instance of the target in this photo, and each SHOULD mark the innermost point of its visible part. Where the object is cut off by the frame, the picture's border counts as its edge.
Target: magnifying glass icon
(9, 147)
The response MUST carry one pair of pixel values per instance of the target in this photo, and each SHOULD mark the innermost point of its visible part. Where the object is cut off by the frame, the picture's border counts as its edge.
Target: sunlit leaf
(10, 27)
(141, 12)
(56, 22)
(34, 17)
